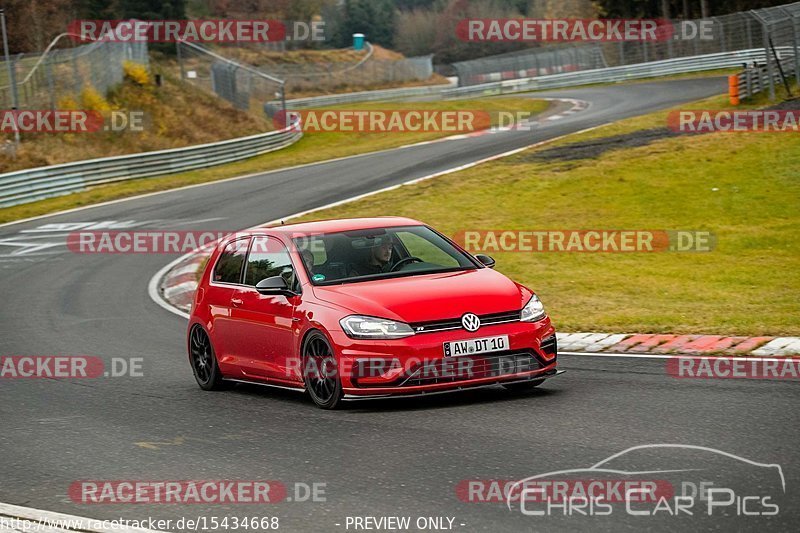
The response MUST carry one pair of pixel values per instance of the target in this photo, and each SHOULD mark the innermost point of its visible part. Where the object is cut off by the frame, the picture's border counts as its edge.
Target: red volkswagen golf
(363, 308)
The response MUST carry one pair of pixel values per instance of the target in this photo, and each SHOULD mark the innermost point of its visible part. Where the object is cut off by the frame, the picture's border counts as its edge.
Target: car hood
(427, 297)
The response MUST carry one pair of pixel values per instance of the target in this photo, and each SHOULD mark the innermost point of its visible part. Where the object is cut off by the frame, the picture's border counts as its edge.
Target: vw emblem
(471, 322)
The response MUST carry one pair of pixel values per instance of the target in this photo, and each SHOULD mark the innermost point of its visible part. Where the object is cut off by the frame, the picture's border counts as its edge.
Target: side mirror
(486, 260)
(274, 286)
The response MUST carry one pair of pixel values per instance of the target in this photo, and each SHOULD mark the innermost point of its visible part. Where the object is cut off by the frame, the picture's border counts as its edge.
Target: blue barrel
(358, 41)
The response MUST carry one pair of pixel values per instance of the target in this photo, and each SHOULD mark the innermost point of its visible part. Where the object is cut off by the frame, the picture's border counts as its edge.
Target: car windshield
(378, 253)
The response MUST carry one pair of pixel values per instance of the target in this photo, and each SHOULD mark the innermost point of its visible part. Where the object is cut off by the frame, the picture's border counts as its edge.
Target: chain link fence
(243, 86)
(529, 64)
(309, 76)
(330, 76)
(737, 31)
(780, 32)
(44, 80)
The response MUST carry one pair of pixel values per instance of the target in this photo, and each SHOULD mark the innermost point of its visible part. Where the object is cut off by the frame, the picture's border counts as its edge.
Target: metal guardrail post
(51, 89)
(180, 60)
(795, 41)
(780, 67)
(721, 26)
(748, 82)
(768, 57)
(796, 33)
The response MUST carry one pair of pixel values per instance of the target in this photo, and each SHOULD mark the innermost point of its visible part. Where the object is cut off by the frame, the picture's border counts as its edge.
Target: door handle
(236, 302)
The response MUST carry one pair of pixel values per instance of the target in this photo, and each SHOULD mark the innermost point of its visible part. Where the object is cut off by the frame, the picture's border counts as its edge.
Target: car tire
(320, 372)
(204, 361)
(523, 386)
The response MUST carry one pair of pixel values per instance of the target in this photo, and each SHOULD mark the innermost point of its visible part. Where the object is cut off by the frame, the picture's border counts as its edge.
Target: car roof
(337, 225)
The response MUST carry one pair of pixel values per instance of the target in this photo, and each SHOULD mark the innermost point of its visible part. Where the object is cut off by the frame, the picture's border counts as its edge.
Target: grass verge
(743, 187)
(312, 148)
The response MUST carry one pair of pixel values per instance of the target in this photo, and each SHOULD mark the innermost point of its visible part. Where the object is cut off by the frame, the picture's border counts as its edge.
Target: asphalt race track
(379, 458)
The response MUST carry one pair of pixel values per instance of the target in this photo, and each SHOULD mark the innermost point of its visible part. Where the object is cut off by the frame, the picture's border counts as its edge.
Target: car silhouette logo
(471, 322)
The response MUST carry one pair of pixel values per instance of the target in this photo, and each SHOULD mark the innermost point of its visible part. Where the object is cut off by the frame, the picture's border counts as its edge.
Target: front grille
(455, 323)
(455, 369)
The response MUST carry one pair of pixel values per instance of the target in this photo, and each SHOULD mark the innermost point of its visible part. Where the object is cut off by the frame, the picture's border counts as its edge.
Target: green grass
(743, 187)
(312, 148)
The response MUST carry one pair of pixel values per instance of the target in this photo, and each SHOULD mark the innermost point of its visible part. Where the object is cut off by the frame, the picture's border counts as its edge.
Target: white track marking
(431, 176)
(662, 356)
(152, 287)
(46, 521)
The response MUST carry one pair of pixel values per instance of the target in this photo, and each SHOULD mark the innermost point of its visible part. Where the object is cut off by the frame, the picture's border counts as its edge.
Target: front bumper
(417, 364)
(463, 386)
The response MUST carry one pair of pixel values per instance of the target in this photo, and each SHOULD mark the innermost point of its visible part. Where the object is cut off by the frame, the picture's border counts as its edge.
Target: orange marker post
(733, 89)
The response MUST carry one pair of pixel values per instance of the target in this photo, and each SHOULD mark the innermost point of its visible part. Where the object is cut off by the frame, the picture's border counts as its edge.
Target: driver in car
(377, 260)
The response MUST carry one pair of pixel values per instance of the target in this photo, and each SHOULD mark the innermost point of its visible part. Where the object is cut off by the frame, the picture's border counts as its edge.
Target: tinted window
(229, 265)
(427, 250)
(378, 252)
(268, 258)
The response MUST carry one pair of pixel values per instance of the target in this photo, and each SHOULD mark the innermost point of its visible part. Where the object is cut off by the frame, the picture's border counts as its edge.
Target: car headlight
(533, 310)
(367, 327)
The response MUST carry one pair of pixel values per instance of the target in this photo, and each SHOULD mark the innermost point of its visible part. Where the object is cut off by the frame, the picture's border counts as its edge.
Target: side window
(268, 258)
(229, 264)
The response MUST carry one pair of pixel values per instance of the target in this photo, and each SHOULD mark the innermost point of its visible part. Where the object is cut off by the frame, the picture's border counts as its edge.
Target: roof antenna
(282, 223)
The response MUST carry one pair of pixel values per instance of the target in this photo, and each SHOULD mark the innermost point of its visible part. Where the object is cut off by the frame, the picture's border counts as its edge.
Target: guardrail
(365, 96)
(45, 182)
(665, 67)
(29, 185)
(753, 80)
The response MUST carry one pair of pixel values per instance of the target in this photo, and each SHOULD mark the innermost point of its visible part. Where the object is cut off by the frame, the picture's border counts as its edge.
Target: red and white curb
(577, 107)
(525, 125)
(177, 286)
(17, 519)
(660, 344)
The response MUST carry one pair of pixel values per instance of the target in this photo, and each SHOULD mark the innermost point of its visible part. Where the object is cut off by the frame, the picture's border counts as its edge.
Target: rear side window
(229, 264)
(268, 258)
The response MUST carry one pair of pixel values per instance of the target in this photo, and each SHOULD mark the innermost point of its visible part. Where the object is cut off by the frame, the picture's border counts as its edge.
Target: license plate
(476, 346)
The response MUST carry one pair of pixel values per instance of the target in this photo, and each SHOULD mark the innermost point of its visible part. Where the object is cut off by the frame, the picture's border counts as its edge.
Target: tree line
(413, 27)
